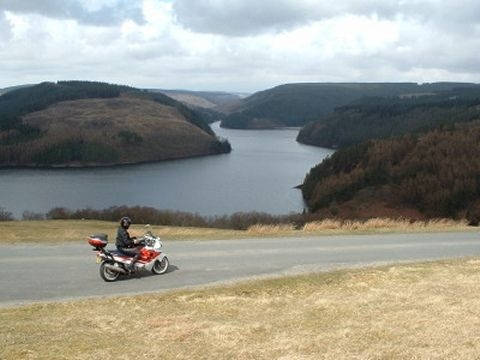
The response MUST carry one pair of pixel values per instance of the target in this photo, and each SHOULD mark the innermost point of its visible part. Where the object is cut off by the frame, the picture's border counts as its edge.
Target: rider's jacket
(123, 239)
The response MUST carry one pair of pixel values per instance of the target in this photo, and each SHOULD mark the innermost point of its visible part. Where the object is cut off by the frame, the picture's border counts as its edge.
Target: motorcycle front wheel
(160, 266)
(107, 274)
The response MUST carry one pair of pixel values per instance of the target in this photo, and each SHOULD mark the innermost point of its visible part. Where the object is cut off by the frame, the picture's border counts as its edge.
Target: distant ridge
(212, 105)
(206, 99)
(298, 104)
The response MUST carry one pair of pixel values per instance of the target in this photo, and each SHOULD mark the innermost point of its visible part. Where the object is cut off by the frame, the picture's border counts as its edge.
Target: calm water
(259, 174)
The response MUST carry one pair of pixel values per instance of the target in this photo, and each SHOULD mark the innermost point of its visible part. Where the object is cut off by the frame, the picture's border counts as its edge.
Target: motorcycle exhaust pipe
(115, 268)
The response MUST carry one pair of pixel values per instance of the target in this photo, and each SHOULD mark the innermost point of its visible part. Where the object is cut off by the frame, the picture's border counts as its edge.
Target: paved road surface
(48, 273)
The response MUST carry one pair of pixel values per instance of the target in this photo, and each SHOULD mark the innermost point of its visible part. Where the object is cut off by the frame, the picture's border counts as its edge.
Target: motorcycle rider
(125, 243)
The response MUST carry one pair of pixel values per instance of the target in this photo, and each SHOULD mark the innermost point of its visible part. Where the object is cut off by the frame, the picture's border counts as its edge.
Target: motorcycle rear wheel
(107, 274)
(160, 266)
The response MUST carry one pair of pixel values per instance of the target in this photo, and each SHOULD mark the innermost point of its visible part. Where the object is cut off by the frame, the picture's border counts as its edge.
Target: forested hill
(80, 123)
(431, 175)
(370, 118)
(298, 104)
(11, 88)
(16, 103)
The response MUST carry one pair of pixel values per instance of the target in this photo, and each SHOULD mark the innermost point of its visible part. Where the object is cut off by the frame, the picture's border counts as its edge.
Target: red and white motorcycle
(114, 263)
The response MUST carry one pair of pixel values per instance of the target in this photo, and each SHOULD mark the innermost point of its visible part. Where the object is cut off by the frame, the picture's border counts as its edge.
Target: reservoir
(258, 175)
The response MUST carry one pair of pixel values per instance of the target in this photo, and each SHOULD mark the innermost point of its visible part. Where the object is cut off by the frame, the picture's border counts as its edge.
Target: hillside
(431, 175)
(11, 88)
(211, 105)
(298, 104)
(374, 118)
(205, 99)
(96, 124)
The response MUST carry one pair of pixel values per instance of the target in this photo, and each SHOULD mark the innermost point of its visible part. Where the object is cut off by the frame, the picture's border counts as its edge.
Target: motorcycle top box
(98, 241)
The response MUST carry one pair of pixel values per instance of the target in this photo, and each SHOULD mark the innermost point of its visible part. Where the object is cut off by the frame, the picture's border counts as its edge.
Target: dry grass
(421, 311)
(327, 224)
(385, 225)
(61, 231)
(270, 229)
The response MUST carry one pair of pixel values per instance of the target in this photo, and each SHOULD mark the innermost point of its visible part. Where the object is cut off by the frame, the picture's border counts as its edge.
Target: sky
(238, 45)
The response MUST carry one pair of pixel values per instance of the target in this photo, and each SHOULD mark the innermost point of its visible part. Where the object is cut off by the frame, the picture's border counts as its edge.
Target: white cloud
(238, 45)
(103, 13)
(250, 17)
(5, 29)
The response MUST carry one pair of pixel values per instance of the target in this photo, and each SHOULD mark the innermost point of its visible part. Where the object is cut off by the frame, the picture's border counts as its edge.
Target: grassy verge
(61, 231)
(426, 311)
(71, 231)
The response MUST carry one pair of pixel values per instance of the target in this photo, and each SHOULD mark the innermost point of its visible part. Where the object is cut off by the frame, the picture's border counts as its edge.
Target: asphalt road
(51, 273)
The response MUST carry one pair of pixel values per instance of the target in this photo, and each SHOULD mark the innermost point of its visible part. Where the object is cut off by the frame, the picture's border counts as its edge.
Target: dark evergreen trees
(376, 118)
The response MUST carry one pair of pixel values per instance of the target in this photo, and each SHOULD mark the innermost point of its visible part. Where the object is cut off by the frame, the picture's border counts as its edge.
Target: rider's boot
(131, 267)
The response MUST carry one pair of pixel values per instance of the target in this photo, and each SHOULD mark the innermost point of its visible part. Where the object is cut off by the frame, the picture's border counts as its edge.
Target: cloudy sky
(238, 45)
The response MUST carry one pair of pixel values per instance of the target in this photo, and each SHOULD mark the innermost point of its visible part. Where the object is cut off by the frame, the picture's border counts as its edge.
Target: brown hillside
(123, 130)
(433, 175)
(192, 100)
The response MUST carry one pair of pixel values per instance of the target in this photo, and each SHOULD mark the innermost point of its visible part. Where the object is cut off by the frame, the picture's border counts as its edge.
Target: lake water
(259, 174)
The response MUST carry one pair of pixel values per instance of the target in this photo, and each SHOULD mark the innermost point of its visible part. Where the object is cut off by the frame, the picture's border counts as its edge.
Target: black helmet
(125, 222)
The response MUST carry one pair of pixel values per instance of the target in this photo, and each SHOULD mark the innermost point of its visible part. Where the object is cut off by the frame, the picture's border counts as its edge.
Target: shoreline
(103, 166)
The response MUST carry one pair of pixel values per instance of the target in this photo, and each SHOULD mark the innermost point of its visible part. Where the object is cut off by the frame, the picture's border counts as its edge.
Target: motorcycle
(113, 263)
